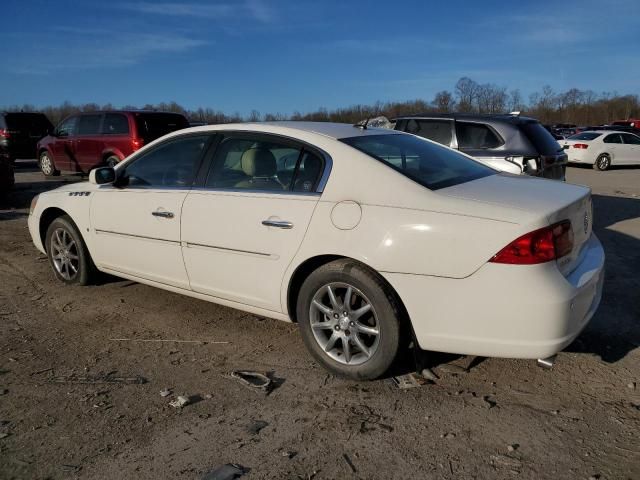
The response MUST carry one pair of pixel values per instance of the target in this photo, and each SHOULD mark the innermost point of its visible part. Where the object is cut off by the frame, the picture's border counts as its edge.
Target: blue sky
(286, 55)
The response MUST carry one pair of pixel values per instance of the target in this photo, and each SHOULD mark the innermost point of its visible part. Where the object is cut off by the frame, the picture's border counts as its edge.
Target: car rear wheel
(67, 252)
(603, 162)
(112, 161)
(47, 166)
(349, 320)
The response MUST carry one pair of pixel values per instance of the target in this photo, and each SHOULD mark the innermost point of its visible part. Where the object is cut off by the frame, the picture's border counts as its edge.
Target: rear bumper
(580, 156)
(504, 310)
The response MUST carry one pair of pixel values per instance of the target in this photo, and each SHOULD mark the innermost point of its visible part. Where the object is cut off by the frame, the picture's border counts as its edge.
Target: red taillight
(539, 246)
(136, 143)
(4, 133)
(580, 145)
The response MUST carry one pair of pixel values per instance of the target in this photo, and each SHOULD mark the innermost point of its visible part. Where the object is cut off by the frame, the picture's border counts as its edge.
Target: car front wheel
(67, 252)
(349, 320)
(47, 166)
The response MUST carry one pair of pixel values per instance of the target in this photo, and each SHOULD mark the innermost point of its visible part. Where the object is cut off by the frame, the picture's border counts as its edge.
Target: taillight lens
(4, 133)
(137, 143)
(583, 146)
(539, 246)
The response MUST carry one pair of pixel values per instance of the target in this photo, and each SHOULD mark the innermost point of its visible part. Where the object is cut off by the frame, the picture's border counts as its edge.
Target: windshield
(427, 163)
(584, 136)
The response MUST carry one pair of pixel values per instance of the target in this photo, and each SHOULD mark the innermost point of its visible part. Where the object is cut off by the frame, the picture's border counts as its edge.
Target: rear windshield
(540, 137)
(427, 163)
(28, 123)
(154, 125)
(584, 136)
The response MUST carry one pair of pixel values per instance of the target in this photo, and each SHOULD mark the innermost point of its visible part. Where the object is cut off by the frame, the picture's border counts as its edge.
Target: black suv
(508, 142)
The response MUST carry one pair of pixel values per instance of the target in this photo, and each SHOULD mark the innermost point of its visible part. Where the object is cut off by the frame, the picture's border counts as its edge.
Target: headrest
(258, 162)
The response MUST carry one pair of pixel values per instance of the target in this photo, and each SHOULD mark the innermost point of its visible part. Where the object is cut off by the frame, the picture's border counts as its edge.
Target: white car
(603, 148)
(368, 238)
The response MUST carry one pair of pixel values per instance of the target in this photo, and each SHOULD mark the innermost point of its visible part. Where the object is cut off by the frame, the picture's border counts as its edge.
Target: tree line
(580, 107)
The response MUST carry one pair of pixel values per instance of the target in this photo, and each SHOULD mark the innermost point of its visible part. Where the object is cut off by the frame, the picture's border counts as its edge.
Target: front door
(136, 222)
(241, 231)
(62, 148)
(632, 148)
(88, 144)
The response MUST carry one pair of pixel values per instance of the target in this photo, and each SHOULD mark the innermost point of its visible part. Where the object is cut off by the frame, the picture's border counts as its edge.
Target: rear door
(631, 147)
(614, 147)
(116, 137)
(88, 142)
(242, 228)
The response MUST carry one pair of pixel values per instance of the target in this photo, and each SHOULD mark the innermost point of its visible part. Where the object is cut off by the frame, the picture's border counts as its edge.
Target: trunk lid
(540, 201)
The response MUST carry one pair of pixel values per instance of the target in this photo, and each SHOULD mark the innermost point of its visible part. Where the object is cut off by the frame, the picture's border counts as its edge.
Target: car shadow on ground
(614, 330)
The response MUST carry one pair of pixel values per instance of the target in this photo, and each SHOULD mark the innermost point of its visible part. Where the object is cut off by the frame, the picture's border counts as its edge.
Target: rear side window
(436, 130)
(613, 138)
(28, 123)
(431, 165)
(476, 136)
(264, 164)
(584, 136)
(89, 124)
(541, 139)
(115, 124)
(154, 125)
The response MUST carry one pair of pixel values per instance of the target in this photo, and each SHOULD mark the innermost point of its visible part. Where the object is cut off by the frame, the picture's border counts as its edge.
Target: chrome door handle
(278, 224)
(162, 214)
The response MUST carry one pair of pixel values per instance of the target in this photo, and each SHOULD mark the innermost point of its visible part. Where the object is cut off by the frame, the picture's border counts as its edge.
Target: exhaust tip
(547, 363)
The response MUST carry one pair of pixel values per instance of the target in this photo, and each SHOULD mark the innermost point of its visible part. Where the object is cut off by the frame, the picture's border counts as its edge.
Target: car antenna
(362, 123)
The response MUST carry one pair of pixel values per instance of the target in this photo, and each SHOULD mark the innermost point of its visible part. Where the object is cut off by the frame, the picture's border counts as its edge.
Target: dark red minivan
(89, 140)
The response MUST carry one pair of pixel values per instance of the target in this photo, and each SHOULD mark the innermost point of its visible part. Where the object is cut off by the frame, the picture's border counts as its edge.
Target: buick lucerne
(364, 237)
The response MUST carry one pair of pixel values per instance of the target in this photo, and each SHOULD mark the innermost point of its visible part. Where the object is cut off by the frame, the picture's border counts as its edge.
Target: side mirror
(102, 176)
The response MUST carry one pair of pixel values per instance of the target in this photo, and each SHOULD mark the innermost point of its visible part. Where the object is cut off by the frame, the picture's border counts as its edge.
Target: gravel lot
(499, 419)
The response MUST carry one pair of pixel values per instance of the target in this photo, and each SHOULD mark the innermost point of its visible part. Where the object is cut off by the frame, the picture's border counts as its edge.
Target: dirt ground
(500, 418)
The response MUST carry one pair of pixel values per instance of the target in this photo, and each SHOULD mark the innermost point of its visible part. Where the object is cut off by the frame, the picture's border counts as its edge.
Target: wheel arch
(303, 270)
(47, 217)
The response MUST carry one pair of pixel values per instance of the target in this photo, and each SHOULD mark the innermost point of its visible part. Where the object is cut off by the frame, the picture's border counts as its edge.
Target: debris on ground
(251, 379)
(3, 391)
(506, 461)
(180, 402)
(491, 402)
(230, 471)
(409, 380)
(429, 374)
(165, 393)
(349, 462)
(288, 454)
(257, 425)
(631, 385)
(513, 447)
(98, 378)
(451, 368)
(448, 436)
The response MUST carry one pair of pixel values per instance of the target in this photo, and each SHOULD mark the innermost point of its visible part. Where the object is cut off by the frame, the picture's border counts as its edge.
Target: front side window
(630, 139)
(433, 166)
(436, 130)
(115, 124)
(613, 138)
(476, 136)
(67, 127)
(264, 164)
(89, 124)
(171, 164)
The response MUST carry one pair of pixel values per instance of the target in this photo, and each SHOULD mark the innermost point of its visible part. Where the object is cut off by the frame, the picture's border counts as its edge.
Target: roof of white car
(327, 129)
(607, 131)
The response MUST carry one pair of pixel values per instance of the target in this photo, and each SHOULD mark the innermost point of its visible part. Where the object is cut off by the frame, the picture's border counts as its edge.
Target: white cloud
(254, 9)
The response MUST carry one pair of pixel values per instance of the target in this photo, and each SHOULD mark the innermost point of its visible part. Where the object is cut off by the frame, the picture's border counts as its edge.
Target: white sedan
(603, 148)
(367, 238)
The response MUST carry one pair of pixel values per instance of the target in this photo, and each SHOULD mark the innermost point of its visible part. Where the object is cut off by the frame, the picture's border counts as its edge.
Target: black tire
(384, 315)
(60, 230)
(111, 161)
(603, 162)
(46, 165)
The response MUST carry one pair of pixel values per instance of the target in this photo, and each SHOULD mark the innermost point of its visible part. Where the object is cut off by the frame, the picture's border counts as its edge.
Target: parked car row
(603, 148)
(510, 143)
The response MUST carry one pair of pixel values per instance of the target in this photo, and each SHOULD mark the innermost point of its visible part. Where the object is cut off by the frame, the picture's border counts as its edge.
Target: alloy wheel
(344, 323)
(45, 164)
(64, 253)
